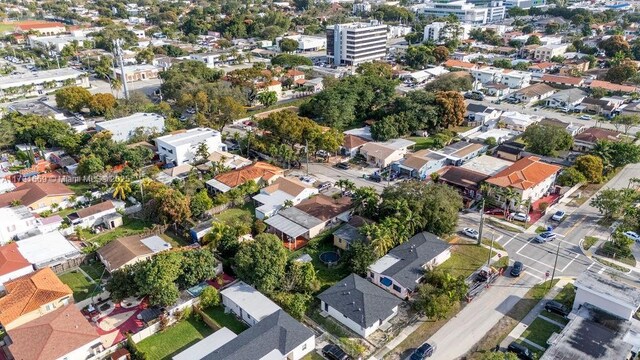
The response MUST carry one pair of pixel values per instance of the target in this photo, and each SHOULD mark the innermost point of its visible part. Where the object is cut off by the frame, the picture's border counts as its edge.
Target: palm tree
(508, 195)
(121, 187)
(382, 244)
(345, 185)
(116, 85)
(287, 204)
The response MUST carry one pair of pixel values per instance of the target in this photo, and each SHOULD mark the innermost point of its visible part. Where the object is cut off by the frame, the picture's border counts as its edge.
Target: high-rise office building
(355, 43)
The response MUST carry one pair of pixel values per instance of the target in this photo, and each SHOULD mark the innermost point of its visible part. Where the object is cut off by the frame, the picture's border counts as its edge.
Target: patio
(120, 320)
(296, 244)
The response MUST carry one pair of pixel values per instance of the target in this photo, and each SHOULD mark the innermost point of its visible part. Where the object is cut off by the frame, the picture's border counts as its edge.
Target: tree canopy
(547, 140)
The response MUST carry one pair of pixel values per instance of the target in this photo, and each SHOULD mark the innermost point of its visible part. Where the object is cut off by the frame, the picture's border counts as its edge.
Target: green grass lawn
(566, 295)
(4, 27)
(589, 241)
(540, 331)
(233, 215)
(81, 188)
(130, 227)
(465, 259)
(313, 356)
(174, 240)
(95, 270)
(555, 317)
(496, 245)
(229, 321)
(80, 285)
(422, 142)
(173, 340)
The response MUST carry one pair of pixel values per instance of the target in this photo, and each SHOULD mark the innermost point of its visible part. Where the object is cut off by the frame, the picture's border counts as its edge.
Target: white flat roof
(383, 263)
(156, 243)
(192, 136)
(134, 68)
(250, 300)
(127, 120)
(487, 165)
(38, 77)
(207, 345)
(43, 248)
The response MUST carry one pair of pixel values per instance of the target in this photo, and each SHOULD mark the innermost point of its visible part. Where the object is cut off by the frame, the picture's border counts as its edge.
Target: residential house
(586, 140)
(272, 85)
(487, 165)
(515, 79)
(129, 250)
(138, 72)
(31, 296)
(511, 78)
(606, 106)
(421, 164)
(61, 334)
(173, 173)
(534, 93)
(574, 67)
(542, 68)
(314, 85)
(46, 28)
(260, 172)
(273, 197)
(349, 233)
(462, 151)
(382, 154)
(15, 221)
(228, 160)
(546, 52)
(359, 305)
(247, 303)
(310, 217)
(566, 99)
(568, 81)
(466, 181)
(459, 65)
(516, 121)
(38, 196)
(571, 128)
(125, 128)
(52, 250)
(94, 215)
(207, 345)
(12, 264)
(198, 232)
(481, 114)
(180, 148)
(401, 270)
(510, 150)
(278, 337)
(496, 89)
(352, 144)
(529, 177)
(612, 87)
(601, 318)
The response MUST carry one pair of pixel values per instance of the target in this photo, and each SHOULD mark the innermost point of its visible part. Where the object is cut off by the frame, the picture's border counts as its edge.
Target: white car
(559, 215)
(472, 233)
(632, 235)
(585, 117)
(521, 217)
(545, 236)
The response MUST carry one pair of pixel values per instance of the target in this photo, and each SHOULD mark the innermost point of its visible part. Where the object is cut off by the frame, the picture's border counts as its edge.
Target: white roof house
(122, 129)
(207, 345)
(247, 302)
(182, 147)
(517, 121)
(46, 249)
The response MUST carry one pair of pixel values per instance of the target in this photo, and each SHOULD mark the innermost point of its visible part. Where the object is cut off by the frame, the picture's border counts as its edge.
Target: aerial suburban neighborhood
(329, 179)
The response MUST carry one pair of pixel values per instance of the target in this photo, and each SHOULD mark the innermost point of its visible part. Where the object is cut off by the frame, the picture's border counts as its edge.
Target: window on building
(397, 288)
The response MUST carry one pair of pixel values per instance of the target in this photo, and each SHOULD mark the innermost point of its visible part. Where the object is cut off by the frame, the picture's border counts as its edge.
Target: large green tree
(591, 167)
(613, 203)
(547, 140)
(262, 262)
(73, 98)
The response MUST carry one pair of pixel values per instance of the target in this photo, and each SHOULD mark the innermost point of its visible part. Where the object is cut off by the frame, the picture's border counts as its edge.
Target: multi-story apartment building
(441, 31)
(182, 148)
(355, 43)
(465, 12)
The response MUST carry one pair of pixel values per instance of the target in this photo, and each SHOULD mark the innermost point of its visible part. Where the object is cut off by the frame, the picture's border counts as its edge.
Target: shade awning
(286, 226)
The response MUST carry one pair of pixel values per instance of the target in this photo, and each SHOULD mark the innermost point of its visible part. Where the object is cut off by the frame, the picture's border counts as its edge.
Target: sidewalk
(516, 333)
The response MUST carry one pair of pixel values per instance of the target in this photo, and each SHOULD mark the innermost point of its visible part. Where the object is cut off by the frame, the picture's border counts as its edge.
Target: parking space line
(572, 260)
(535, 276)
(601, 271)
(590, 266)
(538, 271)
(508, 241)
(539, 262)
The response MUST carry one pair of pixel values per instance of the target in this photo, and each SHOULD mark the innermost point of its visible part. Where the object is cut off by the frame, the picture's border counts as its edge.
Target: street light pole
(555, 264)
(481, 223)
(493, 235)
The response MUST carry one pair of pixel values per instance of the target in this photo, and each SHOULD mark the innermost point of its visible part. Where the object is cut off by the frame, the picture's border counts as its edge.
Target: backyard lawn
(229, 321)
(79, 283)
(233, 215)
(130, 227)
(173, 340)
(422, 142)
(540, 331)
(465, 259)
(95, 270)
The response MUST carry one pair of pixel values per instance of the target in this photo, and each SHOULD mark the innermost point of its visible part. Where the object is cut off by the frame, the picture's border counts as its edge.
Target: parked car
(324, 186)
(375, 177)
(559, 215)
(545, 236)
(343, 165)
(632, 235)
(424, 351)
(472, 233)
(556, 308)
(585, 117)
(521, 217)
(520, 350)
(516, 269)
(191, 111)
(334, 352)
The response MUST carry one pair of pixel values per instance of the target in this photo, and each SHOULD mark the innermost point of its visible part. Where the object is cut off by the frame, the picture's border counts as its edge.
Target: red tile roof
(31, 192)
(252, 172)
(52, 336)
(29, 292)
(11, 259)
(459, 64)
(611, 86)
(524, 174)
(353, 141)
(35, 25)
(571, 80)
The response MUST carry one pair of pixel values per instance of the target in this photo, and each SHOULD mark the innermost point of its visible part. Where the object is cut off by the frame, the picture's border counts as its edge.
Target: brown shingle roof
(459, 64)
(120, 251)
(95, 209)
(524, 173)
(591, 135)
(252, 172)
(324, 207)
(353, 141)
(11, 259)
(536, 90)
(52, 336)
(290, 186)
(611, 86)
(462, 177)
(570, 80)
(31, 192)
(29, 292)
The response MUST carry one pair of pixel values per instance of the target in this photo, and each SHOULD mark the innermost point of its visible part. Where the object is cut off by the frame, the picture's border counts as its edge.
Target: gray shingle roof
(349, 233)
(413, 254)
(278, 331)
(360, 300)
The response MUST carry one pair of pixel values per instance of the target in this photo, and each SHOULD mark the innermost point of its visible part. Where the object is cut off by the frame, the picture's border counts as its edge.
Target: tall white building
(465, 12)
(356, 43)
(181, 148)
(440, 32)
(124, 128)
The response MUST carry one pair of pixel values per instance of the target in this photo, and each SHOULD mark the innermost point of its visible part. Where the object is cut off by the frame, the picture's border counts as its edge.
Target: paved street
(326, 172)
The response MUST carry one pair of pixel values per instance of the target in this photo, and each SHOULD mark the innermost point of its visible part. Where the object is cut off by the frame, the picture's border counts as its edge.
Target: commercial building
(465, 12)
(181, 148)
(122, 129)
(440, 31)
(55, 43)
(355, 43)
(309, 43)
(41, 27)
(41, 82)
(139, 72)
(524, 4)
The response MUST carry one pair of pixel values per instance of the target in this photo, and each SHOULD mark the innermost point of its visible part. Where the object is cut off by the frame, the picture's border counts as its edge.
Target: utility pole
(306, 152)
(481, 223)
(117, 47)
(555, 264)
(493, 235)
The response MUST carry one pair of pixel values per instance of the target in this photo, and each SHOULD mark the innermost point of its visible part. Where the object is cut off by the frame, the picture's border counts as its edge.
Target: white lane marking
(601, 271)
(535, 276)
(508, 241)
(572, 260)
(589, 267)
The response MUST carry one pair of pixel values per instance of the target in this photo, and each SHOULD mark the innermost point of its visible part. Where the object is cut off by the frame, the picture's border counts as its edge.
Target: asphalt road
(326, 172)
